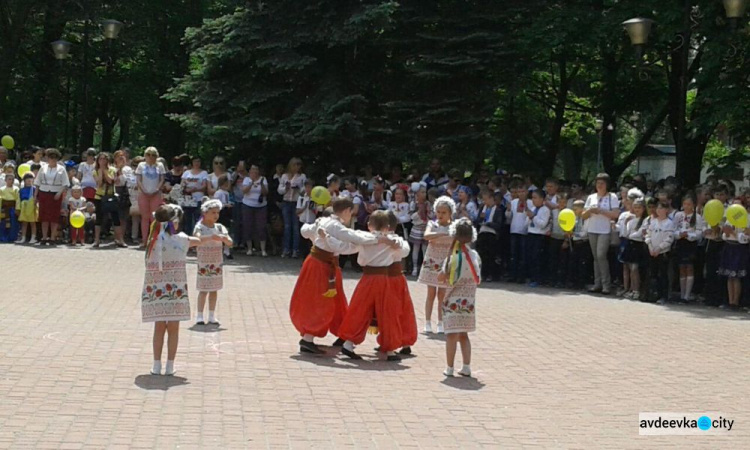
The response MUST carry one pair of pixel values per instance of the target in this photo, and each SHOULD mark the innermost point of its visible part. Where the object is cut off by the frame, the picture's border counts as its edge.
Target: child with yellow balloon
(734, 254)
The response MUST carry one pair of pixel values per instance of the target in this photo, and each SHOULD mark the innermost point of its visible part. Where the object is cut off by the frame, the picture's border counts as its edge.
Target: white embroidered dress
(210, 258)
(459, 315)
(437, 250)
(165, 290)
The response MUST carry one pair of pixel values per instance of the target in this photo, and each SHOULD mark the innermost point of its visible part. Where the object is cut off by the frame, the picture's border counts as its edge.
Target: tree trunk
(689, 169)
(608, 109)
(573, 163)
(561, 101)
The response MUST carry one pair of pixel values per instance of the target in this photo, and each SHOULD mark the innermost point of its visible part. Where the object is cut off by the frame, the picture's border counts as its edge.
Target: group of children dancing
(381, 299)
(381, 302)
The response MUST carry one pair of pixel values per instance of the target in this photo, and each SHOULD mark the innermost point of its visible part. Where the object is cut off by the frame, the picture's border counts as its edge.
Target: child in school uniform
(553, 241)
(579, 250)
(461, 272)
(519, 229)
(210, 259)
(689, 228)
(556, 241)
(734, 261)
(659, 238)
(372, 297)
(622, 231)
(635, 253)
(540, 225)
(400, 207)
(714, 291)
(421, 214)
(489, 224)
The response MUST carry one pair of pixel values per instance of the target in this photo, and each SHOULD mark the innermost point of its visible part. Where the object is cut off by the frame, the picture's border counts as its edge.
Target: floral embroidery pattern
(210, 270)
(460, 306)
(166, 292)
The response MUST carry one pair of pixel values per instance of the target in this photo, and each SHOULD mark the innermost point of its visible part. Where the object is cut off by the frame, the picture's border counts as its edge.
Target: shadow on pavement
(463, 383)
(707, 312)
(366, 364)
(206, 328)
(159, 382)
(434, 336)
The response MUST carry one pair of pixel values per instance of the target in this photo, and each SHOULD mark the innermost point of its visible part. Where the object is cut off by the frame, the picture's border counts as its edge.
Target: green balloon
(8, 142)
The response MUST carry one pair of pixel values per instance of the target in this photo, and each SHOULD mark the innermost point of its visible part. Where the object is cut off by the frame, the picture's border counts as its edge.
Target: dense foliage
(537, 86)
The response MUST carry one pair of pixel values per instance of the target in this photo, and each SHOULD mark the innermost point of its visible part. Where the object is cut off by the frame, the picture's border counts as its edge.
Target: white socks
(199, 317)
(156, 369)
(211, 317)
(465, 370)
(689, 286)
(170, 368)
(683, 282)
(448, 372)
(349, 345)
(308, 337)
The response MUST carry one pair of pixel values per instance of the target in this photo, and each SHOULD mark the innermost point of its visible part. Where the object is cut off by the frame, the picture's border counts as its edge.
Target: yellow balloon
(567, 220)
(23, 169)
(77, 219)
(8, 142)
(713, 212)
(320, 195)
(737, 216)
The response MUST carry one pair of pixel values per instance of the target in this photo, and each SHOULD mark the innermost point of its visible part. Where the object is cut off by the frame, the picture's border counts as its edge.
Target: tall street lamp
(639, 29)
(61, 50)
(111, 30)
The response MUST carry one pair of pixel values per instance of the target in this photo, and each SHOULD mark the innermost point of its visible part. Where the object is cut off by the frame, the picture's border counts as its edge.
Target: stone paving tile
(552, 369)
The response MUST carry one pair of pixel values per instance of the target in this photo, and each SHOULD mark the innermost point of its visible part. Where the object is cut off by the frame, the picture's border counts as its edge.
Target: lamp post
(111, 30)
(639, 29)
(734, 9)
(61, 50)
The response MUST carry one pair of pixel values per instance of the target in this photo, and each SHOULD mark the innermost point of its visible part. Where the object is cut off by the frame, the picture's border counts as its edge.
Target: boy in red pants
(318, 303)
(372, 297)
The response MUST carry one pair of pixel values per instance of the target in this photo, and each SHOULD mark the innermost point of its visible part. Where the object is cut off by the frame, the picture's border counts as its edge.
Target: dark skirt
(621, 249)
(635, 252)
(733, 260)
(685, 252)
(49, 208)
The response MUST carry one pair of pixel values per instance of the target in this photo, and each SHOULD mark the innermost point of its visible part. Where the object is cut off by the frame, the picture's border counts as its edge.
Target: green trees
(544, 87)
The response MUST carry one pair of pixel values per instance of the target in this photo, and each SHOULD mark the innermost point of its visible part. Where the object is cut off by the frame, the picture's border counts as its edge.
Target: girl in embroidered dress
(210, 259)
(461, 271)
(438, 249)
(164, 299)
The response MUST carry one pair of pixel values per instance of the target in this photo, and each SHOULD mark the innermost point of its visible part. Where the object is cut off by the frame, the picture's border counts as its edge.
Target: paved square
(553, 369)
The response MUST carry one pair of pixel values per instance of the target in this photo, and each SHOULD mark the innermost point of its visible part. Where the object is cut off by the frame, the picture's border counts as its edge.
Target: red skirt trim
(310, 311)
